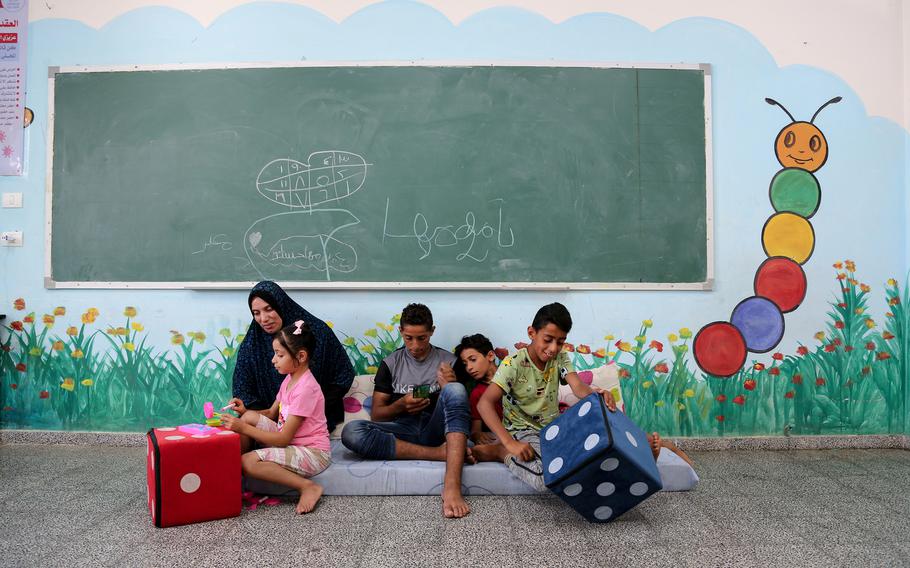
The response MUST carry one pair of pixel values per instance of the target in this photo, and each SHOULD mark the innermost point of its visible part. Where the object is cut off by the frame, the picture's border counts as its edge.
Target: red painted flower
(775, 371)
(802, 350)
(838, 265)
(838, 342)
(842, 305)
(841, 276)
(889, 315)
(881, 356)
(758, 367)
(797, 379)
(624, 374)
(719, 417)
(839, 324)
(661, 368)
(739, 399)
(819, 382)
(6, 348)
(894, 301)
(870, 346)
(584, 349)
(20, 367)
(44, 394)
(848, 348)
(866, 370)
(721, 398)
(568, 347)
(887, 335)
(19, 304)
(14, 386)
(657, 345)
(748, 385)
(830, 348)
(789, 394)
(30, 318)
(17, 325)
(600, 353)
(521, 345)
(778, 356)
(501, 353)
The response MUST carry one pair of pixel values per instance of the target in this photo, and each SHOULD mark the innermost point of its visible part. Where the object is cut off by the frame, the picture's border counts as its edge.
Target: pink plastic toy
(209, 410)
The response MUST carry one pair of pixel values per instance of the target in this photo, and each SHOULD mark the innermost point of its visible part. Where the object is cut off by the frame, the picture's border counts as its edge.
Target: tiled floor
(78, 505)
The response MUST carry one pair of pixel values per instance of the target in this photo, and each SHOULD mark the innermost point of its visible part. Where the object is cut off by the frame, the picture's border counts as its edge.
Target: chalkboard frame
(707, 284)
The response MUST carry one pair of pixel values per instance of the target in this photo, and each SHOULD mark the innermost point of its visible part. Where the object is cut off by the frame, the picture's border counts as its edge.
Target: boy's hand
(445, 375)
(414, 405)
(237, 406)
(232, 423)
(521, 450)
(608, 397)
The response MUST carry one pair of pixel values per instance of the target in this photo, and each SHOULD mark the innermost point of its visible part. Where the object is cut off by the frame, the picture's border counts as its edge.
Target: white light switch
(11, 239)
(12, 200)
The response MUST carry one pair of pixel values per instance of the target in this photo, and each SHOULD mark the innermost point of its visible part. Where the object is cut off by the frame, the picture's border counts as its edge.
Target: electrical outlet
(11, 239)
(12, 200)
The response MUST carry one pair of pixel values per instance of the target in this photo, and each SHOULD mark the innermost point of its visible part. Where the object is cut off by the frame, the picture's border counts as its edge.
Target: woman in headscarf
(256, 381)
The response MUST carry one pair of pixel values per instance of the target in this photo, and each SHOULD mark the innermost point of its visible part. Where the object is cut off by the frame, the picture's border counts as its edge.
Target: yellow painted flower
(68, 384)
(623, 346)
(865, 288)
(87, 382)
(859, 311)
(680, 406)
(93, 311)
(330, 324)
(892, 282)
(689, 393)
(820, 336)
(57, 345)
(129, 312)
(177, 339)
(198, 336)
(673, 338)
(611, 354)
(227, 352)
(388, 327)
(59, 311)
(224, 332)
(647, 323)
(372, 369)
(129, 346)
(870, 323)
(659, 403)
(122, 331)
(72, 331)
(368, 349)
(241, 337)
(609, 337)
(48, 320)
(137, 326)
(640, 338)
(35, 351)
(371, 332)
(349, 341)
(853, 281)
(396, 318)
(87, 317)
(77, 354)
(647, 385)
(682, 348)
(685, 332)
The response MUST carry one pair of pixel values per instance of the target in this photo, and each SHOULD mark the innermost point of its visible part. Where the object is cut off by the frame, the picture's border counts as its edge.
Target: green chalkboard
(380, 176)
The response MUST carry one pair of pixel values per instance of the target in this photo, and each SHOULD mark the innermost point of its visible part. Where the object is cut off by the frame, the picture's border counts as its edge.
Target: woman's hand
(521, 450)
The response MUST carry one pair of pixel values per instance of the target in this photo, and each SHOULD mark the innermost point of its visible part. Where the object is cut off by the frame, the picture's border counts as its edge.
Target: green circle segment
(795, 191)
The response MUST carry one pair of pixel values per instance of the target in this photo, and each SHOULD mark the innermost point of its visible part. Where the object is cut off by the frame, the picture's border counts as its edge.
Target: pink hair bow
(299, 324)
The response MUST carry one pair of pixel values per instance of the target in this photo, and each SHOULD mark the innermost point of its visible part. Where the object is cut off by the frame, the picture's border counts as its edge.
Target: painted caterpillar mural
(757, 323)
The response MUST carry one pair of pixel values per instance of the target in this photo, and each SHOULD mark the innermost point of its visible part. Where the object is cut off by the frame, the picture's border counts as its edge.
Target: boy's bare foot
(453, 504)
(489, 452)
(309, 496)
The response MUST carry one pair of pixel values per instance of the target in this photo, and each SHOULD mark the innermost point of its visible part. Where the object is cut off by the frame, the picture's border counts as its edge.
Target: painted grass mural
(850, 378)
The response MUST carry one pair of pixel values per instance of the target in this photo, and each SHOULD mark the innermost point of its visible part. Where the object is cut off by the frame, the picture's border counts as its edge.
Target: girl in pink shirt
(294, 428)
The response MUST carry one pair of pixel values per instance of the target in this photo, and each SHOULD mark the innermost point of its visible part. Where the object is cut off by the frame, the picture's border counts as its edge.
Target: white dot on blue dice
(638, 488)
(609, 464)
(591, 441)
(551, 432)
(584, 408)
(603, 513)
(555, 465)
(572, 490)
(632, 439)
(605, 489)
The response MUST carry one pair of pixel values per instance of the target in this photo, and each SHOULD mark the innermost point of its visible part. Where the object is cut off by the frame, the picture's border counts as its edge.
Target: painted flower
(656, 345)
(820, 336)
(802, 350)
(851, 266)
(889, 315)
(739, 399)
(372, 332)
(853, 281)
(600, 353)
(44, 394)
(77, 354)
(30, 318)
(689, 393)
(177, 338)
(887, 335)
(137, 326)
(892, 282)
(774, 371)
(68, 384)
(224, 332)
(19, 304)
(721, 398)
(848, 348)
(882, 355)
(583, 349)
(659, 403)
(197, 336)
(797, 379)
(129, 312)
(640, 338)
(789, 394)
(672, 338)
(20, 367)
(894, 301)
(758, 367)
(647, 385)
(57, 345)
(870, 346)
(647, 323)
(778, 356)
(93, 311)
(611, 353)
(749, 385)
(59, 311)
(838, 265)
(372, 369)
(841, 276)
(35, 351)
(661, 368)
(87, 382)
(568, 347)
(129, 346)
(837, 341)
(842, 305)
(865, 288)
(685, 332)
(609, 337)
(624, 374)
(623, 346)
(521, 345)
(16, 325)
(13, 386)
(870, 323)
(866, 370)
(349, 341)
(680, 406)
(820, 382)
(228, 352)
(830, 348)
(859, 311)
(368, 349)
(719, 418)
(839, 324)
(72, 331)
(330, 324)
(88, 318)
(396, 318)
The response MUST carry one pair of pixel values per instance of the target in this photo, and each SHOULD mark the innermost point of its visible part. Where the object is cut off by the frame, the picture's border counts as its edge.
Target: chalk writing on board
(326, 176)
(470, 237)
(220, 241)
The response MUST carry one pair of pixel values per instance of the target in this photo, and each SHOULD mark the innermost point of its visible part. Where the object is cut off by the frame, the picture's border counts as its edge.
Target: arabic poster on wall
(13, 25)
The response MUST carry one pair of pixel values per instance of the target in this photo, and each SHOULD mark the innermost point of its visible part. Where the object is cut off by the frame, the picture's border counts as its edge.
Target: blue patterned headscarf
(256, 381)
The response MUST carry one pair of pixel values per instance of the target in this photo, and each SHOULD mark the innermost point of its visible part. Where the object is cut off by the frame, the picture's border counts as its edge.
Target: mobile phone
(421, 391)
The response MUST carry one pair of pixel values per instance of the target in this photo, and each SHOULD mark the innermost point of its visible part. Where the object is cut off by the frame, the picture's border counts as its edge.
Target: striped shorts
(301, 460)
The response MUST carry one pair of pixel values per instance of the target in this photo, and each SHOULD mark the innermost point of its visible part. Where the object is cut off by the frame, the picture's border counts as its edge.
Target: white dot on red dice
(166, 429)
(173, 438)
(584, 408)
(603, 513)
(225, 433)
(199, 436)
(190, 483)
(591, 441)
(605, 489)
(551, 432)
(609, 464)
(632, 439)
(572, 490)
(638, 488)
(555, 465)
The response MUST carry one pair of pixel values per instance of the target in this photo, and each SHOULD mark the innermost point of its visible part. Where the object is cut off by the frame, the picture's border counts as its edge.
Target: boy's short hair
(417, 314)
(477, 342)
(554, 313)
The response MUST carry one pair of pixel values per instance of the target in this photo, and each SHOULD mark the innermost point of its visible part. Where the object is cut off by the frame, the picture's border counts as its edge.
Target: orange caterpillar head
(801, 144)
